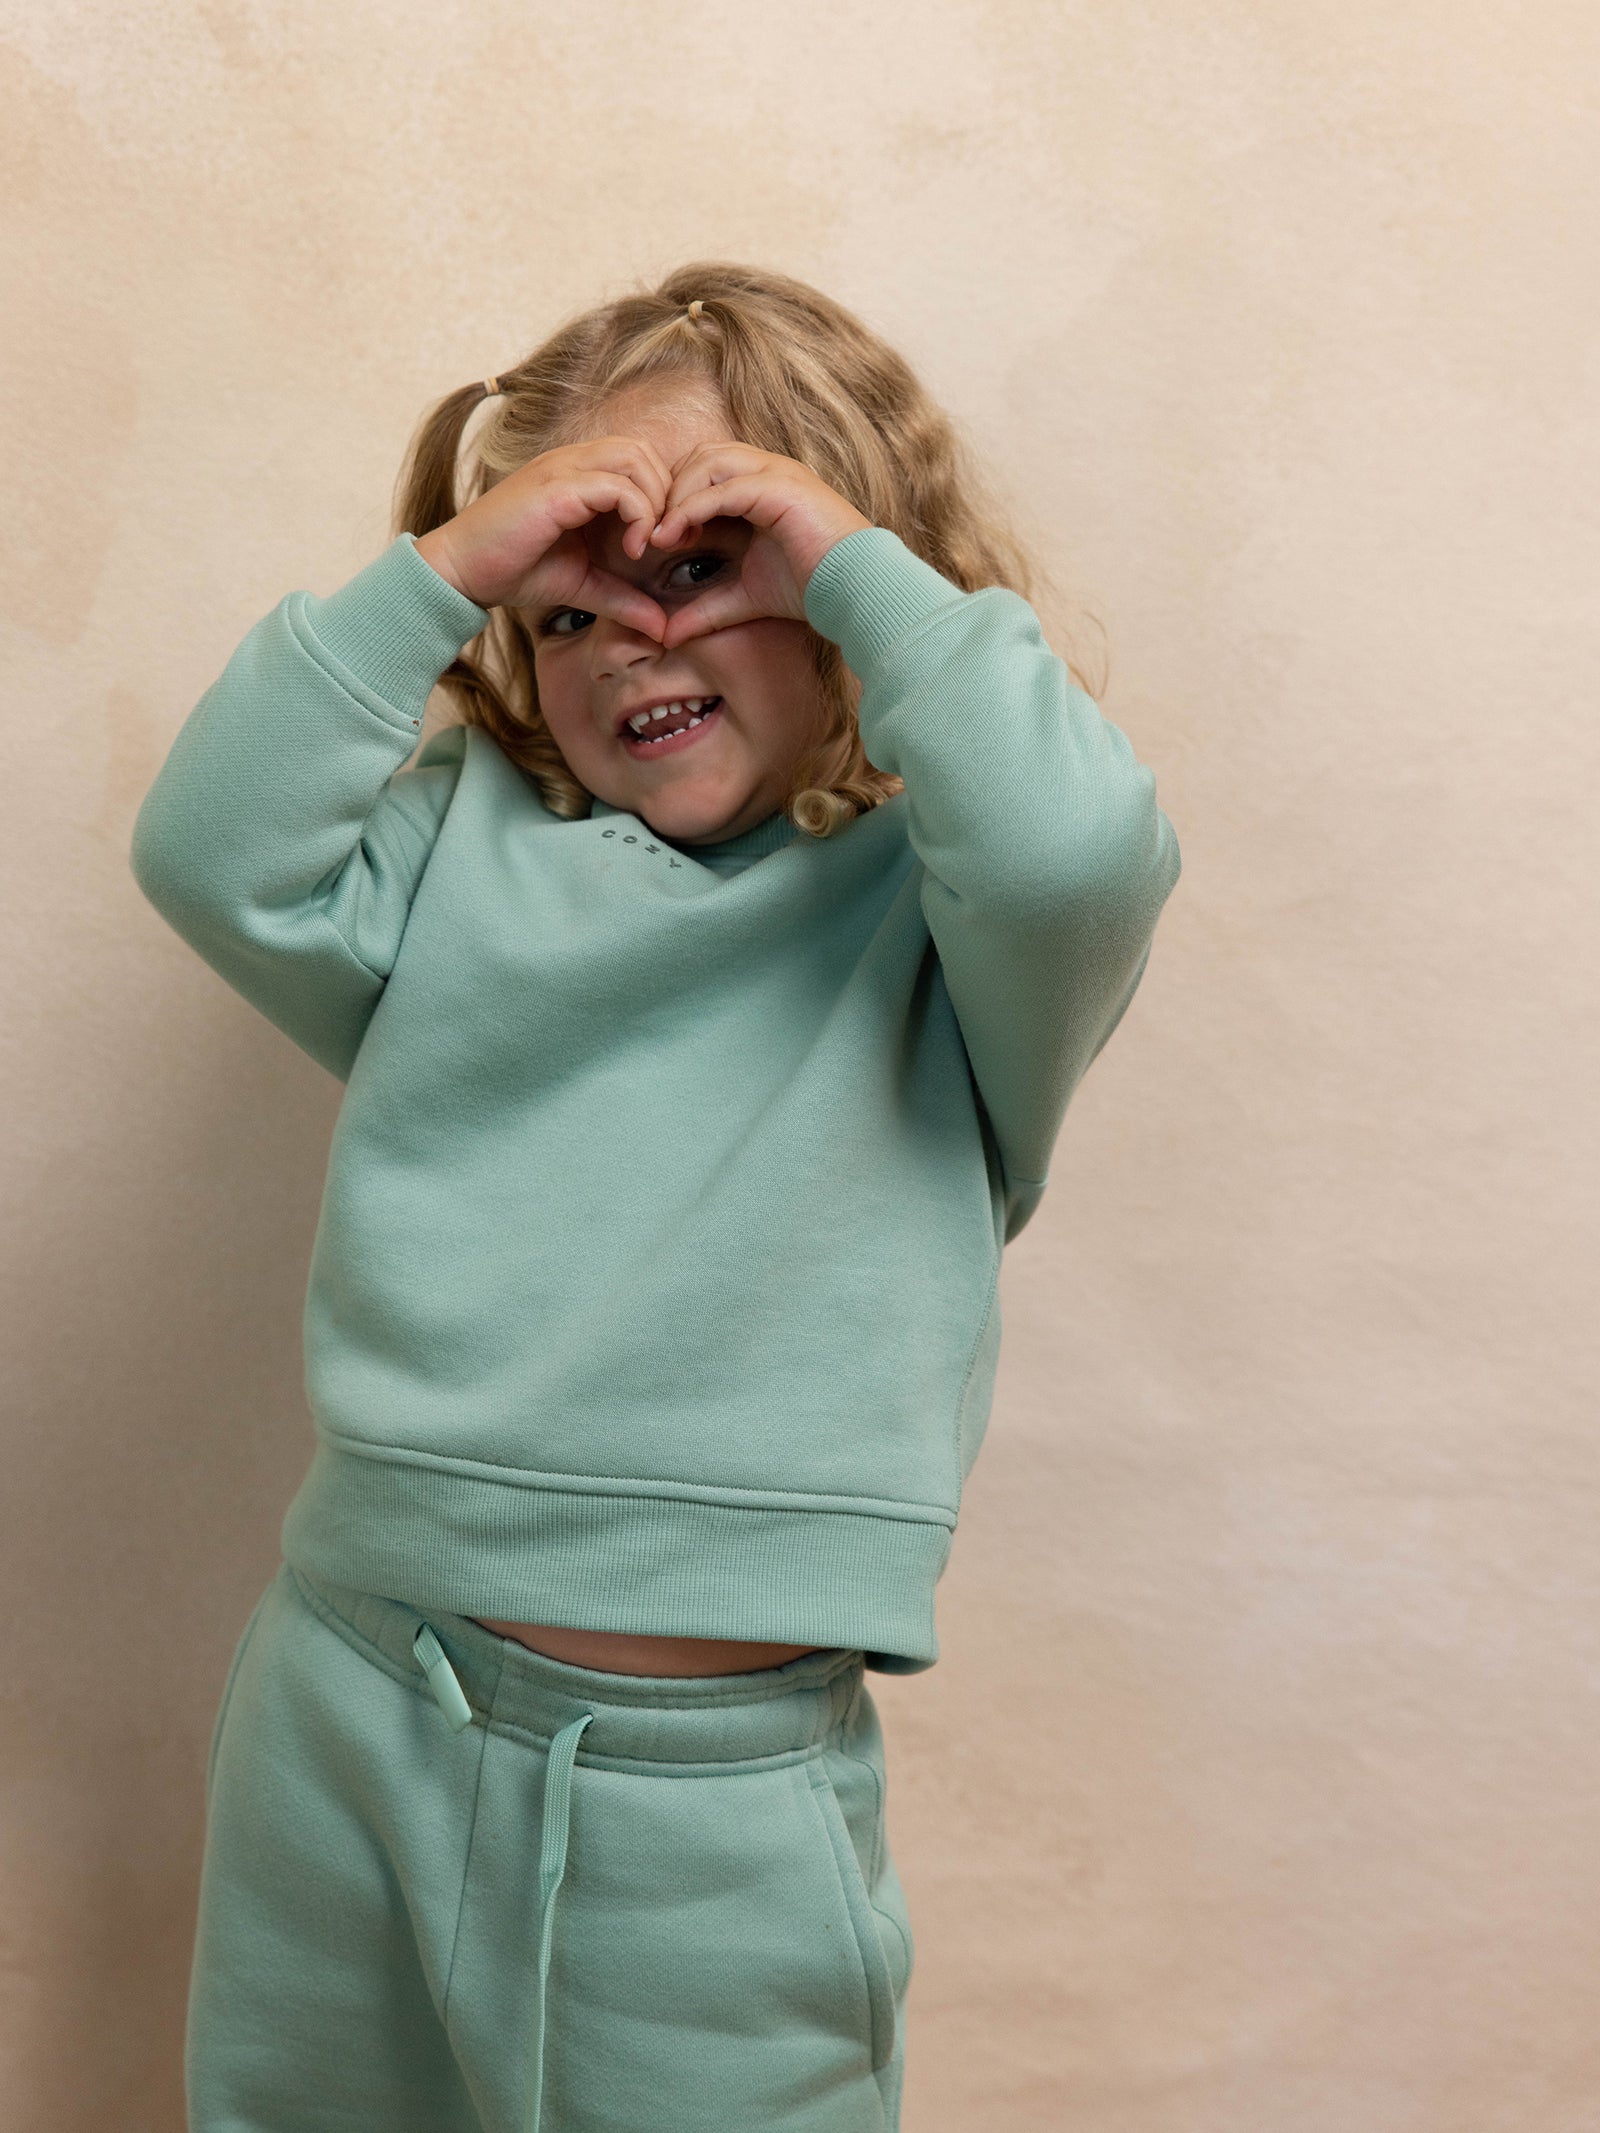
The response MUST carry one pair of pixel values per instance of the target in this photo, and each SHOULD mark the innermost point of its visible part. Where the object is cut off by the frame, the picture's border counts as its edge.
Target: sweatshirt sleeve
(1045, 858)
(282, 839)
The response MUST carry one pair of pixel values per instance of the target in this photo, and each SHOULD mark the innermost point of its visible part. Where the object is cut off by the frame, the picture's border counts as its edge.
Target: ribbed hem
(869, 590)
(396, 625)
(655, 1566)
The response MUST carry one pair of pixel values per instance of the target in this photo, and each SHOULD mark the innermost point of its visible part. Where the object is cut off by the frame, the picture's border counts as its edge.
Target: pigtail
(425, 492)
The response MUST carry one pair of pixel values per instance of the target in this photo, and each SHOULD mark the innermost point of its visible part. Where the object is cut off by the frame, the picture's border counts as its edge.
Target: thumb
(603, 594)
(717, 608)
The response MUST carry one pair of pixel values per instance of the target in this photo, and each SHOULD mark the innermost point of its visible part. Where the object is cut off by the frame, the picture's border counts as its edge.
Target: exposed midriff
(614, 1652)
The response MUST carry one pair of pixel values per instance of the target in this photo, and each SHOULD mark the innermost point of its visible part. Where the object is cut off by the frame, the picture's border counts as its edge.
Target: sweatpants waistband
(782, 1712)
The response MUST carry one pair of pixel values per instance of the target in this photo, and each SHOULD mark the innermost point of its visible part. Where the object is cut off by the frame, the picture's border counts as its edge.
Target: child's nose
(618, 647)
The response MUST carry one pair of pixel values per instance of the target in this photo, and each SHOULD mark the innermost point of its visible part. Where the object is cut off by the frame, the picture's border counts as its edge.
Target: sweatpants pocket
(880, 1991)
(705, 1974)
(232, 1676)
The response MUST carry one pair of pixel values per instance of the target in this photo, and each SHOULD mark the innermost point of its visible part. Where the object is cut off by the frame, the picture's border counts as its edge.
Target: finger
(721, 456)
(610, 491)
(713, 463)
(636, 534)
(654, 479)
(736, 497)
(589, 493)
(718, 608)
(603, 594)
(637, 461)
(617, 474)
(638, 458)
(713, 466)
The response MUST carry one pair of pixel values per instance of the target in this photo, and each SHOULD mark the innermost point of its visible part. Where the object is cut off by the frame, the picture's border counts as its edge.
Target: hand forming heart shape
(796, 516)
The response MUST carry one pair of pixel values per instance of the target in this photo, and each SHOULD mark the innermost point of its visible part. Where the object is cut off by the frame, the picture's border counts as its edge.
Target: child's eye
(689, 561)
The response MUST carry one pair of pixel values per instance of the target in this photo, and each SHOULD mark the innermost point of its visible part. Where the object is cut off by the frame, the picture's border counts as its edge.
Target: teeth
(642, 719)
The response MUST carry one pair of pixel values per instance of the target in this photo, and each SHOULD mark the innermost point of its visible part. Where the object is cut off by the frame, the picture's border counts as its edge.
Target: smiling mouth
(677, 730)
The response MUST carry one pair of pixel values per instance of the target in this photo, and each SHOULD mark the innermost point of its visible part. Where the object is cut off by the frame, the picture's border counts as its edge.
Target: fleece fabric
(690, 1921)
(655, 1285)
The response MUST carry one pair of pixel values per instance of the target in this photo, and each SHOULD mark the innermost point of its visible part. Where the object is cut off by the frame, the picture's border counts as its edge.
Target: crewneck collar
(768, 836)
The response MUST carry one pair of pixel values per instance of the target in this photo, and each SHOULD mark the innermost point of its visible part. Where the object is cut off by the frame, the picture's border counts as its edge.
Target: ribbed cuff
(869, 590)
(396, 625)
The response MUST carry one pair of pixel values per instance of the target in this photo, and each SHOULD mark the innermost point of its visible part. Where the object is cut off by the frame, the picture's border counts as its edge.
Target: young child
(708, 1004)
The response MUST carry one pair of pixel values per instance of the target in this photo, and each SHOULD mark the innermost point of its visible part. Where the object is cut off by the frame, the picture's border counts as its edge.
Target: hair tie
(694, 308)
(490, 387)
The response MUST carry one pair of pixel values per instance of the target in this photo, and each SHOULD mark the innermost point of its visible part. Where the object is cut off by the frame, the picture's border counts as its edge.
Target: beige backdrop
(1256, 1789)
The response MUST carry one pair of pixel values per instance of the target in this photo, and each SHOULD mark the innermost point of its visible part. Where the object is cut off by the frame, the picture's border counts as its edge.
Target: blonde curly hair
(799, 375)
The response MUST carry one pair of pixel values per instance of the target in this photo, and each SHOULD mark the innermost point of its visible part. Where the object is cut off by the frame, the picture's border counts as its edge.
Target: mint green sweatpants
(454, 1886)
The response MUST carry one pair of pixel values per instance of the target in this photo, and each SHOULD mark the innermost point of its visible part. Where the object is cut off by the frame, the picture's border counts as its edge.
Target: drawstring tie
(559, 1759)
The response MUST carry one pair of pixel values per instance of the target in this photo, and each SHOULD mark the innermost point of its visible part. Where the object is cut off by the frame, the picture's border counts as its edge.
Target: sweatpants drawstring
(559, 1759)
(552, 1865)
(442, 1678)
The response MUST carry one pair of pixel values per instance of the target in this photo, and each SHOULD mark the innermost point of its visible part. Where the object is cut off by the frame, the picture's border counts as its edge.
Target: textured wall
(1256, 1788)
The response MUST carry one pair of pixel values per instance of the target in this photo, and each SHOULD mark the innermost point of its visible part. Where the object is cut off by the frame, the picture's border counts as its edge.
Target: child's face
(735, 769)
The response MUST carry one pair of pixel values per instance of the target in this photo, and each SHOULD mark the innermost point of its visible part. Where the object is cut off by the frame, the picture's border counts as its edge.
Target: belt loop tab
(441, 1678)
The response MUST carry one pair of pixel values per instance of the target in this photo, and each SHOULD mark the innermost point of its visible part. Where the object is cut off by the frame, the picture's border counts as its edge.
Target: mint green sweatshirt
(655, 1283)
